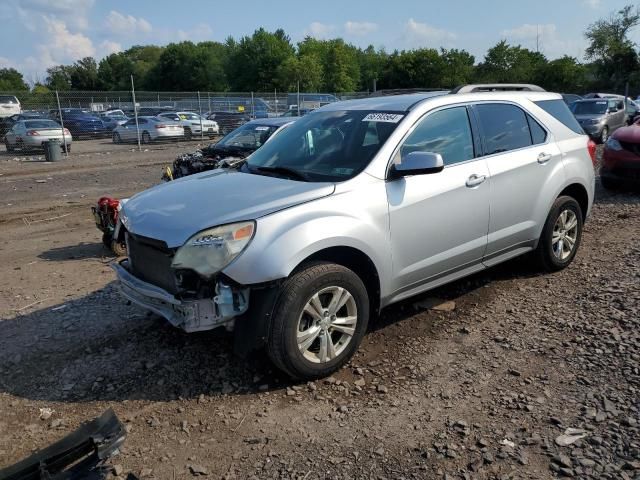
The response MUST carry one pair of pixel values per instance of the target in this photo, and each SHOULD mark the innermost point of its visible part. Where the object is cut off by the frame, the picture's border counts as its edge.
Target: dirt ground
(479, 391)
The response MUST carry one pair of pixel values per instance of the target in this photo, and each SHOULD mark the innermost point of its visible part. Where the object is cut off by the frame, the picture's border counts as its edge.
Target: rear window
(559, 110)
(8, 99)
(41, 124)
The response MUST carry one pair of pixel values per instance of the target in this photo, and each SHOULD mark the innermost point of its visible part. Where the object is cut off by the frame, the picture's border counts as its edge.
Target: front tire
(9, 147)
(319, 321)
(187, 134)
(561, 235)
(604, 136)
(146, 138)
(117, 139)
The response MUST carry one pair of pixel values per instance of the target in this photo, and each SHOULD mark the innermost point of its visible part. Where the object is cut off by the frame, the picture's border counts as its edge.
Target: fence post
(275, 99)
(135, 112)
(298, 100)
(253, 113)
(64, 138)
(200, 113)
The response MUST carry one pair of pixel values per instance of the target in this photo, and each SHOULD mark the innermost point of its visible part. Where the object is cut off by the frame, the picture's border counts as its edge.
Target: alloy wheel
(327, 324)
(565, 234)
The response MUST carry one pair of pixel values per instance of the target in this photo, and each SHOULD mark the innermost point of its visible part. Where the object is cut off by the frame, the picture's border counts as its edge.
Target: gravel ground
(509, 374)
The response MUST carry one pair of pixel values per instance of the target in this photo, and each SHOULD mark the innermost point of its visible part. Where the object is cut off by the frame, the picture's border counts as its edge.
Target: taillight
(67, 132)
(591, 147)
(161, 125)
(32, 133)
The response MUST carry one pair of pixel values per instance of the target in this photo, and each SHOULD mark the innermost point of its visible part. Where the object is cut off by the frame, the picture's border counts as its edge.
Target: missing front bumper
(189, 315)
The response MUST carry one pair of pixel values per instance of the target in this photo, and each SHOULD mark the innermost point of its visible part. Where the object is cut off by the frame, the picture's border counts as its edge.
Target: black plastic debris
(78, 456)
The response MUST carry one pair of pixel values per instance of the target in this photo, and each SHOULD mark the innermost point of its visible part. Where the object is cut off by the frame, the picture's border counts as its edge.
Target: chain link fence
(138, 117)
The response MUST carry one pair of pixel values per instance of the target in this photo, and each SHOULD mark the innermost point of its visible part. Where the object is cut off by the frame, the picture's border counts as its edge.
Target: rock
(570, 436)
(118, 470)
(45, 413)
(198, 470)
(379, 451)
(562, 461)
(382, 389)
(146, 472)
(436, 304)
(609, 406)
(587, 462)
(515, 373)
(360, 382)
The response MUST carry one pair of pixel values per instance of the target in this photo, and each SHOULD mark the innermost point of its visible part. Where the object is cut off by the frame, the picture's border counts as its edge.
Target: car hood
(176, 210)
(629, 134)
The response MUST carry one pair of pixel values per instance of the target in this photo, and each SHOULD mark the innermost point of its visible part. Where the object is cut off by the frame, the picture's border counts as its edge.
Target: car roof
(404, 103)
(274, 122)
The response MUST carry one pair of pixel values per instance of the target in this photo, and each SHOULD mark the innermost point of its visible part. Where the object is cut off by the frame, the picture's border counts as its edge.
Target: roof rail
(404, 91)
(498, 87)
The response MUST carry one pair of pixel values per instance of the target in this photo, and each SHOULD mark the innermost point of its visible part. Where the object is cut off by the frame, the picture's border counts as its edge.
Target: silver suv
(358, 205)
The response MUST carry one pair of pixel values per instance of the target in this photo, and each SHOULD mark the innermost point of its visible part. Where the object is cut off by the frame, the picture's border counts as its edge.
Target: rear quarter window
(559, 110)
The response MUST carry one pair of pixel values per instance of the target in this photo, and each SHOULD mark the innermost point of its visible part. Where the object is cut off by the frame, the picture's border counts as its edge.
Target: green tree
(341, 68)
(254, 61)
(458, 67)
(84, 74)
(11, 79)
(610, 48)
(422, 68)
(59, 77)
(188, 67)
(305, 69)
(115, 70)
(371, 66)
(564, 74)
(504, 63)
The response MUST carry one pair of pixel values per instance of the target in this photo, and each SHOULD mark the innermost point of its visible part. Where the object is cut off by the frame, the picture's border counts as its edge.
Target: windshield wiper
(284, 171)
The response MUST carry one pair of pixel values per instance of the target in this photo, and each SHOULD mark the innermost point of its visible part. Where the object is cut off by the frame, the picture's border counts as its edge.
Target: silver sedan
(33, 134)
(148, 129)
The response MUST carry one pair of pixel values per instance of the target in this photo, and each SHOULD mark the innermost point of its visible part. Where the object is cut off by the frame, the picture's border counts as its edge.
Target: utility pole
(537, 38)
(135, 113)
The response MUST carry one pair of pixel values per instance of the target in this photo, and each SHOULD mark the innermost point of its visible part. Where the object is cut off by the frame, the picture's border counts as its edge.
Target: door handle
(475, 180)
(544, 158)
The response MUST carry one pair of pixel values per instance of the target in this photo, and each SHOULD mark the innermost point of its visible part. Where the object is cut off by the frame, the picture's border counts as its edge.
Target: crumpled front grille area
(150, 261)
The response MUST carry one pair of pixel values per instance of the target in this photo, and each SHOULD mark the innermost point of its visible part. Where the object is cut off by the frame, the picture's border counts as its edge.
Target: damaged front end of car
(184, 285)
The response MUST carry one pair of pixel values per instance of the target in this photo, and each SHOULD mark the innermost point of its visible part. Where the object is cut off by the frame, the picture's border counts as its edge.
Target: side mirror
(417, 163)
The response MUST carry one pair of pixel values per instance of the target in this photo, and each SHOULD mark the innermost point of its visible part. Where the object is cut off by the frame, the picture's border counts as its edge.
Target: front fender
(356, 219)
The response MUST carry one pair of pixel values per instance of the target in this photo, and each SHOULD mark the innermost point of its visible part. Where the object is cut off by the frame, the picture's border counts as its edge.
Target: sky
(36, 34)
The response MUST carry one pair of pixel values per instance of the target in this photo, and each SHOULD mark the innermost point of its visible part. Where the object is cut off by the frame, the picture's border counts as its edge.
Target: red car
(621, 158)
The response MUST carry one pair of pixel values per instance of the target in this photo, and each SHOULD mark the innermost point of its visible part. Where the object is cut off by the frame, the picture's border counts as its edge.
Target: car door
(620, 114)
(128, 130)
(12, 135)
(524, 163)
(439, 221)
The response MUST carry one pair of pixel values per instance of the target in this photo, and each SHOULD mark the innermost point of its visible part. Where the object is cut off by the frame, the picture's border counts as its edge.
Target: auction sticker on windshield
(261, 129)
(383, 117)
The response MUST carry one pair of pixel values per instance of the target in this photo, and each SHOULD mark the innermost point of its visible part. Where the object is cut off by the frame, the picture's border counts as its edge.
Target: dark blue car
(81, 123)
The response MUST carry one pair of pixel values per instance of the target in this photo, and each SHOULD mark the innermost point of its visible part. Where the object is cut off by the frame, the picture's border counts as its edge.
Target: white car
(149, 129)
(9, 105)
(194, 124)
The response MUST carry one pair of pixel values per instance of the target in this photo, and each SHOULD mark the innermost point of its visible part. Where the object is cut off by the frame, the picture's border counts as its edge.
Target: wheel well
(579, 193)
(356, 261)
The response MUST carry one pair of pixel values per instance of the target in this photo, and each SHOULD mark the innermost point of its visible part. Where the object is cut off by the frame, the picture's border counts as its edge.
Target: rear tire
(117, 139)
(306, 312)
(187, 134)
(10, 148)
(146, 138)
(561, 235)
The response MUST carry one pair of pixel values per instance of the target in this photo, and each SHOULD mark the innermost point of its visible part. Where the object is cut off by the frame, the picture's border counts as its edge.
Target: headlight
(211, 250)
(613, 144)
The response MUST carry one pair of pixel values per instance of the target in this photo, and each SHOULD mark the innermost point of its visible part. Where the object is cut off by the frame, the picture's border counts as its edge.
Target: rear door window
(538, 134)
(504, 127)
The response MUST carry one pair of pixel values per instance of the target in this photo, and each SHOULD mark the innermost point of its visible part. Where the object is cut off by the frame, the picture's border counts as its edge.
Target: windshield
(41, 124)
(8, 99)
(328, 146)
(250, 136)
(589, 108)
